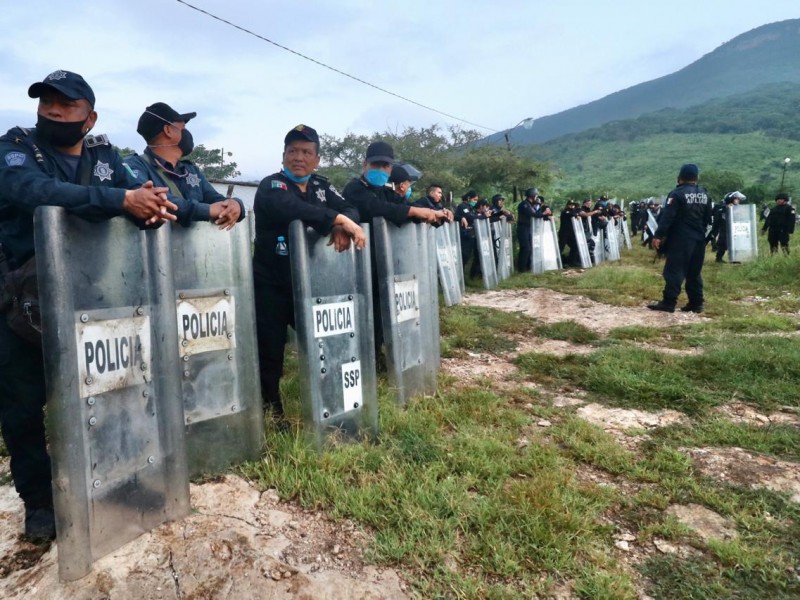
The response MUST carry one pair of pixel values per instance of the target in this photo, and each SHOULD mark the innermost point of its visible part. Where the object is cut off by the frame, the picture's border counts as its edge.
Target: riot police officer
(54, 164)
(719, 226)
(681, 236)
(780, 223)
(566, 235)
(465, 216)
(295, 192)
(164, 162)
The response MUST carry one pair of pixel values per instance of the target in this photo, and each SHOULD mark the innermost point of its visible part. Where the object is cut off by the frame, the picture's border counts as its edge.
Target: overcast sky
(491, 63)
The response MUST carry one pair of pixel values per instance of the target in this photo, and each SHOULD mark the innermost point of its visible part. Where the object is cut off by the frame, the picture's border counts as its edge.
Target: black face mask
(58, 133)
(186, 144)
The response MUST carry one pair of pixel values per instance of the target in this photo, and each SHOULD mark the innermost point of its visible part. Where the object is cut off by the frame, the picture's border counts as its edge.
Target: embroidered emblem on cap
(278, 185)
(193, 180)
(103, 171)
(15, 159)
(56, 75)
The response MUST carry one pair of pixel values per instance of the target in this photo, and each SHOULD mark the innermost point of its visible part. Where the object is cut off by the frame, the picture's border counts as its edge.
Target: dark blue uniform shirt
(686, 213)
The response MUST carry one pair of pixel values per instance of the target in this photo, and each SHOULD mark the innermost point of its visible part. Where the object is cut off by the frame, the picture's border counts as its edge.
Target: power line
(334, 69)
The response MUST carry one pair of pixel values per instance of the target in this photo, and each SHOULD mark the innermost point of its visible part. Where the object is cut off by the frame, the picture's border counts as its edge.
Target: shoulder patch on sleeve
(278, 185)
(669, 201)
(15, 159)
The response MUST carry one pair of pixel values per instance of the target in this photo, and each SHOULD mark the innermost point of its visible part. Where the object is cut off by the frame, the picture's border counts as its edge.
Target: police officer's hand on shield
(345, 230)
(150, 204)
(226, 213)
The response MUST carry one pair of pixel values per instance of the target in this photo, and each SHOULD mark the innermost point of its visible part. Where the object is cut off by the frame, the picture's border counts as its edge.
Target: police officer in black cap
(526, 213)
(295, 192)
(465, 215)
(780, 223)
(164, 161)
(681, 236)
(566, 234)
(54, 164)
(499, 211)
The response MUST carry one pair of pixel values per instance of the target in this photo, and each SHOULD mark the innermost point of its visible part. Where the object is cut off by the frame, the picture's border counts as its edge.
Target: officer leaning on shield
(60, 163)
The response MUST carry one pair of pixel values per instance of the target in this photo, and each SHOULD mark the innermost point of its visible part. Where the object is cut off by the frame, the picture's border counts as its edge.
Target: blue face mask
(377, 177)
(295, 178)
(408, 194)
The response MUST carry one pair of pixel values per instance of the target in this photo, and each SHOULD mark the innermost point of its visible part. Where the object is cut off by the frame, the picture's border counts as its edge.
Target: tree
(718, 182)
(212, 162)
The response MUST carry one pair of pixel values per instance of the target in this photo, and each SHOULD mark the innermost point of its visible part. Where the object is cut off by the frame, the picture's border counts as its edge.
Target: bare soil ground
(242, 544)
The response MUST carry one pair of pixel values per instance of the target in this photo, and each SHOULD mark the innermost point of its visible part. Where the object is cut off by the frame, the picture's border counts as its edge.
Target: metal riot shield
(446, 257)
(626, 234)
(580, 240)
(222, 404)
(433, 333)
(501, 249)
(455, 237)
(742, 233)
(508, 233)
(335, 339)
(611, 241)
(115, 416)
(409, 306)
(486, 253)
(651, 227)
(545, 253)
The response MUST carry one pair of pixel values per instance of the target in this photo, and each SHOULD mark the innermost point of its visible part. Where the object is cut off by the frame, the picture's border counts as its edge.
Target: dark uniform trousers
(778, 237)
(22, 400)
(525, 247)
(684, 261)
(274, 315)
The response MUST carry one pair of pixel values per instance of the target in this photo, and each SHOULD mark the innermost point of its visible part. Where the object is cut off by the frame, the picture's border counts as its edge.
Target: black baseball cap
(380, 152)
(399, 175)
(72, 85)
(301, 132)
(782, 196)
(154, 116)
(689, 172)
(498, 197)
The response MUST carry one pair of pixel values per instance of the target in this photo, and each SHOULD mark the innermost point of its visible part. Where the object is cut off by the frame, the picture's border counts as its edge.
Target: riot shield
(626, 234)
(409, 306)
(115, 416)
(612, 241)
(652, 226)
(433, 332)
(447, 267)
(455, 237)
(335, 338)
(545, 253)
(222, 404)
(580, 240)
(509, 247)
(742, 233)
(486, 253)
(501, 249)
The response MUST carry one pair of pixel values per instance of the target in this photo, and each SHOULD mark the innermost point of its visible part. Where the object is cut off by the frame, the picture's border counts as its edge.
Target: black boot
(40, 524)
(662, 306)
(695, 308)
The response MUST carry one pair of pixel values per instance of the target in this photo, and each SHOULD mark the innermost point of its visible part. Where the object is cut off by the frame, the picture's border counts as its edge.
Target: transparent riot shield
(652, 225)
(455, 236)
(115, 416)
(501, 249)
(545, 254)
(611, 241)
(251, 225)
(742, 233)
(409, 306)
(335, 339)
(486, 253)
(580, 240)
(446, 256)
(222, 405)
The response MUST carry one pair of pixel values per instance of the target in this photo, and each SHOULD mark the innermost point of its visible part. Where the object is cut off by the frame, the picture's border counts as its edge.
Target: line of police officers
(57, 163)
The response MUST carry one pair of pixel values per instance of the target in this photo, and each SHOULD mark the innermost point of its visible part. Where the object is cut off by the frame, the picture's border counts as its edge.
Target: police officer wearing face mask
(164, 162)
(296, 192)
(53, 164)
(401, 181)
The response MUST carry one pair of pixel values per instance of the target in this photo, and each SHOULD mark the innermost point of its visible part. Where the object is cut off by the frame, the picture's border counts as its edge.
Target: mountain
(762, 56)
(747, 134)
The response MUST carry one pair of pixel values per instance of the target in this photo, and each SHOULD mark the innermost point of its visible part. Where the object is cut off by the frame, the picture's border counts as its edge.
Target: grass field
(464, 509)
